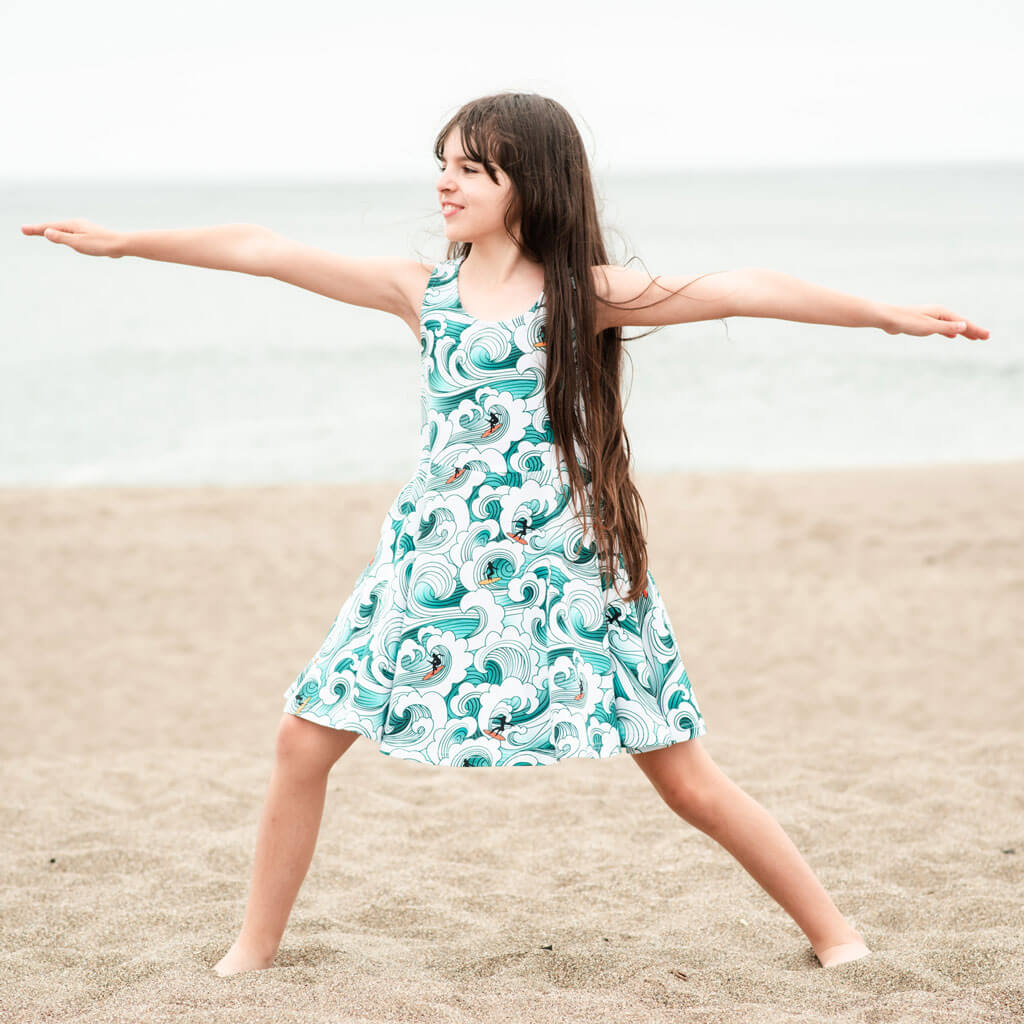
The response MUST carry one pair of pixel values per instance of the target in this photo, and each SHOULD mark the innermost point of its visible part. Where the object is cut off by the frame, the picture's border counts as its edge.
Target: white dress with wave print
(480, 633)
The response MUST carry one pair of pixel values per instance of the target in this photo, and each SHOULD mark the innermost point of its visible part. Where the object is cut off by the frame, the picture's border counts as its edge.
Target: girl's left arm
(772, 293)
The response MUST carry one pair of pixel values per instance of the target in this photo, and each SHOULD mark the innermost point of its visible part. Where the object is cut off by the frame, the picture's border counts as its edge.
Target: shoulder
(411, 278)
(413, 275)
(611, 284)
(617, 284)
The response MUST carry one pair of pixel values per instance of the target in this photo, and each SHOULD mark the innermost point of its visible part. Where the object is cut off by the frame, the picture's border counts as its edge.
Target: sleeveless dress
(482, 632)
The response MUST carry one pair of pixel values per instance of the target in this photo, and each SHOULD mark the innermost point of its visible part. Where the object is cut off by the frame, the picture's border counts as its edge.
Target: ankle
(842, 953)
(843, 937)
(256, 949)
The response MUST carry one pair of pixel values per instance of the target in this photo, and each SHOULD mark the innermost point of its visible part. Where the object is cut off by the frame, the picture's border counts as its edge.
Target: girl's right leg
(304, 755)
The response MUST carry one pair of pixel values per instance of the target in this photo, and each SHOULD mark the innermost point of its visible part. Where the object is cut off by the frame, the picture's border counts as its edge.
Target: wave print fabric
(482, 632)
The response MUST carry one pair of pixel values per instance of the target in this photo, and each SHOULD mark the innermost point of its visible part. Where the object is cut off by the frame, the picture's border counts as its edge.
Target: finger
(951, 328)
(975, 332)
(35, 229)
(961, 325)
(58, 237)
(60, 225)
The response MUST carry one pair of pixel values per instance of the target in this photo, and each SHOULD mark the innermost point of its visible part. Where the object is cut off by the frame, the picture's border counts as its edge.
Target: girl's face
(481, 203)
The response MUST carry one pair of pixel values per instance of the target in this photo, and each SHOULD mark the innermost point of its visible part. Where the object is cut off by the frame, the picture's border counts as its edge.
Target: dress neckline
(478, 319)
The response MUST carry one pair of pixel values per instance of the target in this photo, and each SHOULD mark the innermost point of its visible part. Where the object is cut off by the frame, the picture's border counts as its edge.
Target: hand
(922, 320)
(81, 235)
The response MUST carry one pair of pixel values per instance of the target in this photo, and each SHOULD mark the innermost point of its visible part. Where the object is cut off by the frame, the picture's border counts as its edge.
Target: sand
(855, 639)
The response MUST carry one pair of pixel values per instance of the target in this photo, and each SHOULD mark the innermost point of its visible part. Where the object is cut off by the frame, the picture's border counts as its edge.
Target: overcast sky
(212, 89)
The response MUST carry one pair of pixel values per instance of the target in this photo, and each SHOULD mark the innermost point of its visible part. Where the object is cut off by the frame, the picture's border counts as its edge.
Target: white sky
(214, 89)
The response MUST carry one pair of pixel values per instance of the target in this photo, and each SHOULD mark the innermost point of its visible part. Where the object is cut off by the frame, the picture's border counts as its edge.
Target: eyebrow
(464, 160)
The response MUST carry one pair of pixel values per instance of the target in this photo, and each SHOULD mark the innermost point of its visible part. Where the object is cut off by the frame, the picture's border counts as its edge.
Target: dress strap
(440, 293)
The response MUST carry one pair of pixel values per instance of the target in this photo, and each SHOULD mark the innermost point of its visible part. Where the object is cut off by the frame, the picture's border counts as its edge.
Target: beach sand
(855, 639)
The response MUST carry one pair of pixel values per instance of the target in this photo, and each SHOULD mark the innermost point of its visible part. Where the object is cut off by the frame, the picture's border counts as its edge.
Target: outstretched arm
(240, 247)
(630, 298)
(772, 293)
(392, 285)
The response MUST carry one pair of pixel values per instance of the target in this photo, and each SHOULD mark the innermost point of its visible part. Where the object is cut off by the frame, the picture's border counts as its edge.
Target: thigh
(309, 743)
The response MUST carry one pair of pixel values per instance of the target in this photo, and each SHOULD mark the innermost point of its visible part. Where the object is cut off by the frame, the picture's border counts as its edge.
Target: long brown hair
(534, 140)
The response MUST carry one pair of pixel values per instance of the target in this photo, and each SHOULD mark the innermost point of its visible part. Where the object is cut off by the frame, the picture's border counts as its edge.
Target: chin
(457, 232)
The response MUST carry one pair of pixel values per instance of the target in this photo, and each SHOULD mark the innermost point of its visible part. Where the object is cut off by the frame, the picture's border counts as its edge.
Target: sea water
(132, 371)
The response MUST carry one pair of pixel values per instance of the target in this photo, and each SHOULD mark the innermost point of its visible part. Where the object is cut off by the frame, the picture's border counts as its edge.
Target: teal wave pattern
(483, 633)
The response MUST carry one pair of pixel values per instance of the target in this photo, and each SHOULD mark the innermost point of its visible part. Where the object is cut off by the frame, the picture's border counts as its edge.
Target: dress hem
(699, 730)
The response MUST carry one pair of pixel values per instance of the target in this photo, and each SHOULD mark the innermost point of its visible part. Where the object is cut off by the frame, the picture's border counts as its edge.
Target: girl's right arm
(392, 285)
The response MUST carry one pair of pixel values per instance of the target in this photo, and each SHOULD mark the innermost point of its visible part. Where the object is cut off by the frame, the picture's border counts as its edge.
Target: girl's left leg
(699, 792)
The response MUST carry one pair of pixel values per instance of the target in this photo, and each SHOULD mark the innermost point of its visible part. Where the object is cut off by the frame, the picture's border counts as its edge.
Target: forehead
(453, 149)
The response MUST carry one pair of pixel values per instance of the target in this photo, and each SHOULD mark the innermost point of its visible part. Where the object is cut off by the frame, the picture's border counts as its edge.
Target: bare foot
(238, 959)
(841, 953)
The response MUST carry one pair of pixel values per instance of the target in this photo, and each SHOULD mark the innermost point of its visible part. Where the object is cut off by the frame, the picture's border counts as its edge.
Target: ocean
(137, 372)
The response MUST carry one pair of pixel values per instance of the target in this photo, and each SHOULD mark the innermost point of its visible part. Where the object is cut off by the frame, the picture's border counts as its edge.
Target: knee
(689, 782)
(692, 799)
(306, 747)
(700, 804)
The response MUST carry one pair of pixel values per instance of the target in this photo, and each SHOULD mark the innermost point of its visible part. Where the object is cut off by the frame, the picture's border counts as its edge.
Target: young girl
(508, 616)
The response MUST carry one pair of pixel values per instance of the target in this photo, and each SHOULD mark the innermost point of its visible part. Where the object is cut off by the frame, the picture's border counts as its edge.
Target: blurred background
(880, 155)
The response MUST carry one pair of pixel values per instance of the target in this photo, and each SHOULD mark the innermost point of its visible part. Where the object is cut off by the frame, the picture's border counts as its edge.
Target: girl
(508, 615)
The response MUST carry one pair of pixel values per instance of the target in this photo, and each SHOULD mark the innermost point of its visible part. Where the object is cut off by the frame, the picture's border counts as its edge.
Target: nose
(444, 180)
